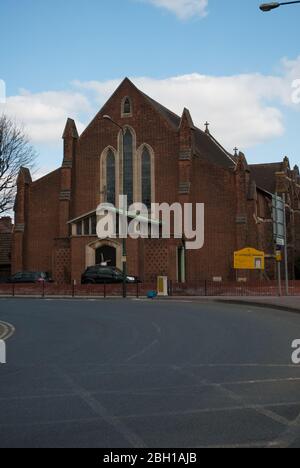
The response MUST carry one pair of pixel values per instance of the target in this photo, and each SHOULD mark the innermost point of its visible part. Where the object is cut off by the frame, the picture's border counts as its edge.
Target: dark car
(105, 275)
(30, 277)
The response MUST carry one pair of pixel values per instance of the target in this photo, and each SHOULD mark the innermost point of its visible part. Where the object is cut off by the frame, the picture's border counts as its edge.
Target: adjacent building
(6, 230)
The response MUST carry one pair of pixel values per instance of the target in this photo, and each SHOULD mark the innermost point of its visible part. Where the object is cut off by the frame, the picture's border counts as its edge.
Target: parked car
(3, 279)
(30, 277)
(105, 275)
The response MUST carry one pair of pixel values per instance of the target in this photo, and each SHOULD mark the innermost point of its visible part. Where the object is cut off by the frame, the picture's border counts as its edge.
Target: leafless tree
(15, 152)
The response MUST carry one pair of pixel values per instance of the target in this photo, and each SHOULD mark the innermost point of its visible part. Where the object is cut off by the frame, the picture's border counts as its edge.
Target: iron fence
(191, 288)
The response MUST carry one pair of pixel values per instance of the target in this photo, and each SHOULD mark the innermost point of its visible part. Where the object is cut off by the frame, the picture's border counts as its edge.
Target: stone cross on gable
(207, 127)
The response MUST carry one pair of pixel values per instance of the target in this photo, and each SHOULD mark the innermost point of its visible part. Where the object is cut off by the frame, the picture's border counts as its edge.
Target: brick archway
(92, 248)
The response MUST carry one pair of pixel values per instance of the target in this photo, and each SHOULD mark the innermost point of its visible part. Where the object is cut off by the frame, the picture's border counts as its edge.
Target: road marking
(237, 446)
(157, 327)
(143, 351)
(261, 410)
(148, 347)
(291, 435)
(238, 399)
(50, 423)
(6, 330)
(134, 440)
(261, 381)
(250, 365)
(218, 409)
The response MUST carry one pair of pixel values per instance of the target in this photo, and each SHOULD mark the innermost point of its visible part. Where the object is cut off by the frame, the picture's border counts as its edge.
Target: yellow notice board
(162, 286)
(249, 259)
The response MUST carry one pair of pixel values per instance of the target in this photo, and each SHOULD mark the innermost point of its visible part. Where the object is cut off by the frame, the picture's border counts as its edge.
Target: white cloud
(44, 114)
(233, 106)
(183, 9)
(243, 110)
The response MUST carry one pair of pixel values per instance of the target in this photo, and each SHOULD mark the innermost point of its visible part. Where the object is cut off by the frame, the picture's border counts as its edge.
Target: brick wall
(6, 228)
(41, 223)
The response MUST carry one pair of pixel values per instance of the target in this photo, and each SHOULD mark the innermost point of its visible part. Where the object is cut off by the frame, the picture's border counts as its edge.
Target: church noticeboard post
(249, 259)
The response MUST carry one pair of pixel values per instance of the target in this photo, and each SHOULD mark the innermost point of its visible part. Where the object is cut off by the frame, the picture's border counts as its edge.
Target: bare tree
(15, 152)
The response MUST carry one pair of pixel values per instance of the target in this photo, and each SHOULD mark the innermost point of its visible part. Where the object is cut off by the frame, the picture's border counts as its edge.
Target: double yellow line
(6, 330)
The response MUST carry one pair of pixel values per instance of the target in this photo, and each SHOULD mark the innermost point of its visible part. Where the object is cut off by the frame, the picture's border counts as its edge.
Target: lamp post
(124, 251)
(273, 5)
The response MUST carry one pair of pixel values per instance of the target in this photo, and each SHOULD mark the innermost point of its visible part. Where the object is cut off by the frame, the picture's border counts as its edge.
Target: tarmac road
(148, 374)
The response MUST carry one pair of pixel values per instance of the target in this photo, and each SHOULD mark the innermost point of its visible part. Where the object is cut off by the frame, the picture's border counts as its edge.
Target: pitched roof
(206, 146)
(170, 116)
(209, 148)
(264, 175)
(50, 175)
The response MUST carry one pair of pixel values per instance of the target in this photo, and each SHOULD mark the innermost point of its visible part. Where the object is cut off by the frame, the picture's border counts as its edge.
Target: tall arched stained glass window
(146, 177)
(128, 167)
(111, 178)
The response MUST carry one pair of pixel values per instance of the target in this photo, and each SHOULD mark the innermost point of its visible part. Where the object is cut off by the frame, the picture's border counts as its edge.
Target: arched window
(146, 177)
(128, 166)
(111, 178)
(126, 106)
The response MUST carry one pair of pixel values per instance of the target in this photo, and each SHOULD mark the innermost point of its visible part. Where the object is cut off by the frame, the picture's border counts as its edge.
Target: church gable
(128, 105)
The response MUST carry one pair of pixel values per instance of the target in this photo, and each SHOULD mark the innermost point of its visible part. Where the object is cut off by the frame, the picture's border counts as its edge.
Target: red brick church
(166, 159)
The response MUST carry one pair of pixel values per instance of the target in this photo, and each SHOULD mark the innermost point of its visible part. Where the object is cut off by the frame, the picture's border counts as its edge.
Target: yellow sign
(162, 286)
(278, 256)
(249, 259)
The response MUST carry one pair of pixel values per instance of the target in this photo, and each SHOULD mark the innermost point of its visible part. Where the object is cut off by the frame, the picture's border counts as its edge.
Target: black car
(30, 277)
(105, 275)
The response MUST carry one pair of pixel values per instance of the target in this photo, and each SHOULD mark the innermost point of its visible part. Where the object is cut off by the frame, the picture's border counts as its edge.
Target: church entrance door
(106, 255)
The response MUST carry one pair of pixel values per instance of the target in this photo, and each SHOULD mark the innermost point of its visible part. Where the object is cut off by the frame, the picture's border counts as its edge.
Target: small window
(111, 178)
(94, 225)
(126, 107)
(146, 178)
(87, 226)
(79, 229)
(128, 166)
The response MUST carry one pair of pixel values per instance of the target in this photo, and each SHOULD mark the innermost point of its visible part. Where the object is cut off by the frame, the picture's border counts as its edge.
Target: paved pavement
(148, 374)
(291, 303)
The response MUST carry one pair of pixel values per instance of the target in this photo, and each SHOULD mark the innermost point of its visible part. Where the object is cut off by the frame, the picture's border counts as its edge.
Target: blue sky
(228, 62)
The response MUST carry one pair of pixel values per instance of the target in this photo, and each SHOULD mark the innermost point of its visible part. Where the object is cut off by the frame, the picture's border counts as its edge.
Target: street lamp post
(124, 250)
(272, 6)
